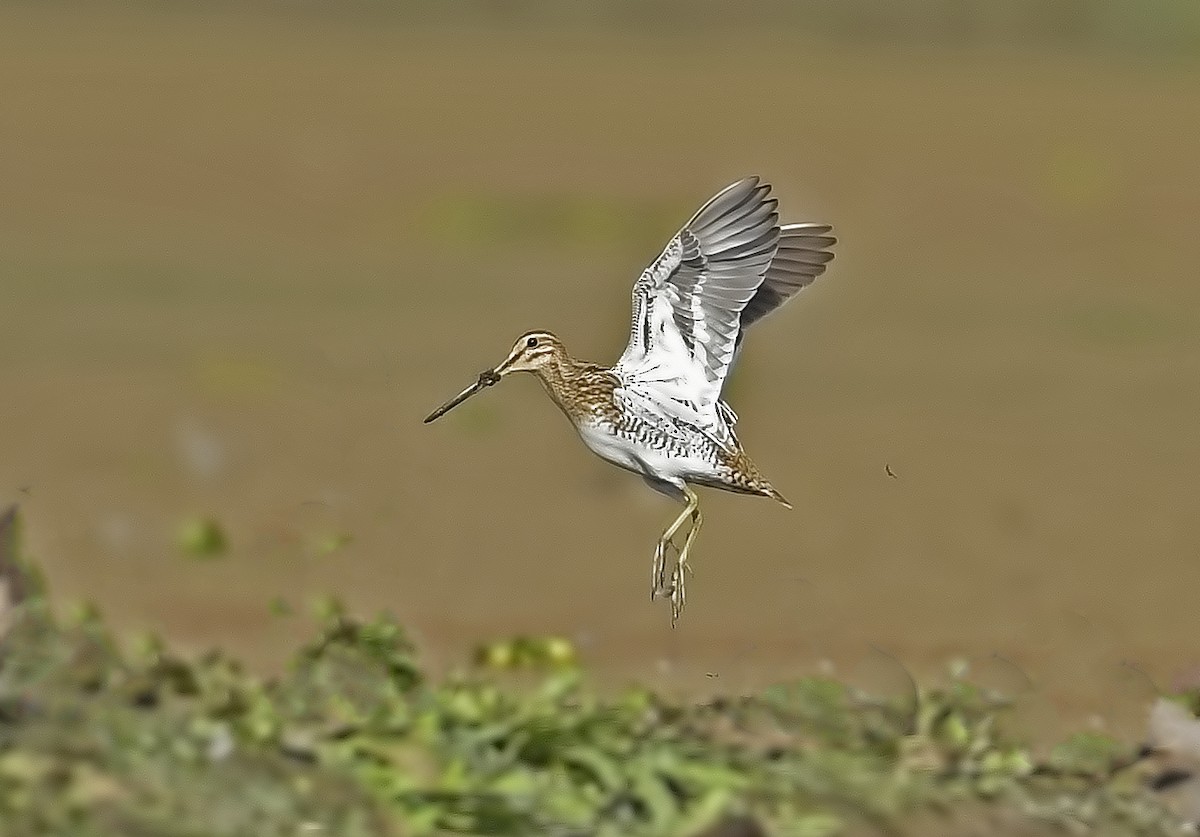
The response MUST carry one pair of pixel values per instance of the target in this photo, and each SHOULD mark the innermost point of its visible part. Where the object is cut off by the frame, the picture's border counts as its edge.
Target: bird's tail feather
(776, 496)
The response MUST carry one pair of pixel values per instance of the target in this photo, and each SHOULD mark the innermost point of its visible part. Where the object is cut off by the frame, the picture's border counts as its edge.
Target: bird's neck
(580, 389)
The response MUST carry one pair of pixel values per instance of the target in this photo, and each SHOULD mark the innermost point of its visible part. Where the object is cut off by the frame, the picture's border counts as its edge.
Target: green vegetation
(357, 739)
(202, 538)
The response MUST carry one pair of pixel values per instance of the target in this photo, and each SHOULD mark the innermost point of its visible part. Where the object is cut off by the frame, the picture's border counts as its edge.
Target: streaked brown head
(533, 350)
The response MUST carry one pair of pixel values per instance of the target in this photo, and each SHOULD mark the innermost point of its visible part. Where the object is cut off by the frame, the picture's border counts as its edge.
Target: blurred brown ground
(242, 255)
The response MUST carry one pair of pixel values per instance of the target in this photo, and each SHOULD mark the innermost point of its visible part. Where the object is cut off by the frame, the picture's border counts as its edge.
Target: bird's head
(531, 352)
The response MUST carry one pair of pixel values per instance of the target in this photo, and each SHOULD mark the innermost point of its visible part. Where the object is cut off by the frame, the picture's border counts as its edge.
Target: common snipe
(658, 412)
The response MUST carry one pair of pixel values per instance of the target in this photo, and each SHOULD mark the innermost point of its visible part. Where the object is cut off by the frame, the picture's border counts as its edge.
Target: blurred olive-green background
(244, 251)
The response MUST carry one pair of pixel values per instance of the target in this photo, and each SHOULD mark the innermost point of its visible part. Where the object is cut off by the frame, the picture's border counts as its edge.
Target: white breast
(608, 447)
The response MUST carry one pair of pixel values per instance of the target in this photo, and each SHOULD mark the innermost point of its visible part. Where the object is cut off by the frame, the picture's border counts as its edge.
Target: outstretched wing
(687, 305)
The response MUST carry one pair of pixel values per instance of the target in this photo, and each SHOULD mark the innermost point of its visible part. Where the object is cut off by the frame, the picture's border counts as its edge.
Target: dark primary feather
(799, 259)
(801, 256)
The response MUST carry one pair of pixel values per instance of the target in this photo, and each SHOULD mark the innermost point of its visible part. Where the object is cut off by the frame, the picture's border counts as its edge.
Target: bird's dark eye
(531, 342)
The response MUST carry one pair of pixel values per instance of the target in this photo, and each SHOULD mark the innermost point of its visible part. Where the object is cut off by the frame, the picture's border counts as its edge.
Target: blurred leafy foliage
(202, 537)
(357, 739)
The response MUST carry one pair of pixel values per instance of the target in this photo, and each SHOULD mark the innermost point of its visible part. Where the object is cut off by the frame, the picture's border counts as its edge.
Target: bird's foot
(680, 573)
(658, 571)
(678, 590)
(675, 589)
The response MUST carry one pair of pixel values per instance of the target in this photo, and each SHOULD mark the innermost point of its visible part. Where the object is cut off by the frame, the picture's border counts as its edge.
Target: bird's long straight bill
(486, 379)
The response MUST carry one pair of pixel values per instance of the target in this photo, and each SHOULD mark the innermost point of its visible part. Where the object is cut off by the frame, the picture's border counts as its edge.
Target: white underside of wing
(669, 401)
(666, 382)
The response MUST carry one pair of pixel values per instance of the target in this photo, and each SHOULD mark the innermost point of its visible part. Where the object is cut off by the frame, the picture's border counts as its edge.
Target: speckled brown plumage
(582, 390)
(585, 392)
(745, 478)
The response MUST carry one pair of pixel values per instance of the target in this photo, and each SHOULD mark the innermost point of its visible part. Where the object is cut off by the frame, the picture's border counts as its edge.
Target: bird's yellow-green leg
(678, 595)
(658, 572)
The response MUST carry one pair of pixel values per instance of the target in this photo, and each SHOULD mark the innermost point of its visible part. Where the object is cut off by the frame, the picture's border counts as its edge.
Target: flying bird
(658, 411)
